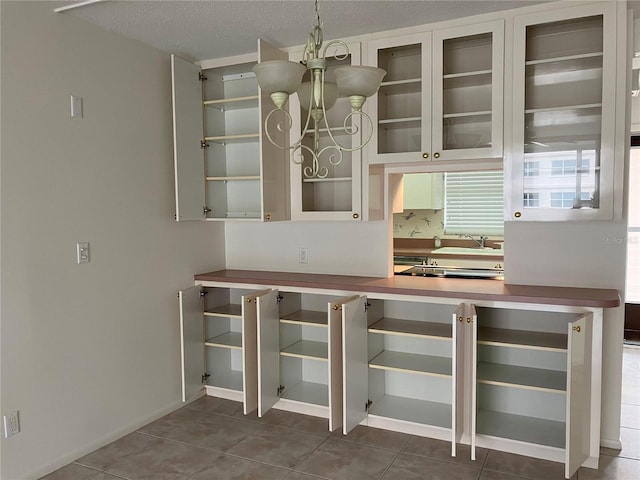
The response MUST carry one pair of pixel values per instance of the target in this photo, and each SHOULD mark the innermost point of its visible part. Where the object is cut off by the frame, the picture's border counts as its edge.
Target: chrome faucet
(479, 242)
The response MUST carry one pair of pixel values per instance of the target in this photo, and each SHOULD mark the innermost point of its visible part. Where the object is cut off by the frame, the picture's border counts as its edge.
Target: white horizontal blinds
(474, 203)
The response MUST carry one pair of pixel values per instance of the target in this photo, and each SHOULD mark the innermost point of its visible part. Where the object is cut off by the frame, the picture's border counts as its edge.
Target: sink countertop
(463, 289)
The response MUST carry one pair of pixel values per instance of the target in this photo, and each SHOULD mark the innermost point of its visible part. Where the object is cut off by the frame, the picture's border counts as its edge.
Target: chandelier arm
(340, 57)
(332, 158)
(314, 171)
(352, 130)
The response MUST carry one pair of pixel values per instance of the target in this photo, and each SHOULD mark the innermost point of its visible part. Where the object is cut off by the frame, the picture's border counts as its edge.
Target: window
(474, 203)
(531, 169)
(531, 200)
(568, 167)
(566, 199)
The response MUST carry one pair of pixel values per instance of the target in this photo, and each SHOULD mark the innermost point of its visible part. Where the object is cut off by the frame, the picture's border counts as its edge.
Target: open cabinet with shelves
(407, 368)
(299, 354)
(224, 168)
(218, 328)
(533, 383)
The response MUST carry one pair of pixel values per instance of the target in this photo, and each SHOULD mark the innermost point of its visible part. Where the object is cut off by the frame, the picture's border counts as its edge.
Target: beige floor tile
(228, 467)
(630, 416)
(413, 467)
(297, 421)
(206, 430)
(143, 457)
(73, 472)
(522, 466)
(221, 406)
(441, 450)
(340, 460)
(630, 438)
(374, 437)
(612, 468)
(277, 446)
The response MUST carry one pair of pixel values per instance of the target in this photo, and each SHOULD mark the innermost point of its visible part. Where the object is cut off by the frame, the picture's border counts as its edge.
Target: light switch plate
(76, 106)
(83, 252)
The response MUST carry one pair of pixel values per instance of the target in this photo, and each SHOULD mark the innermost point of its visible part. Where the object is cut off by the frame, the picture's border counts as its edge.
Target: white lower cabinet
(520, 378)
(218, 328)
(532, 385)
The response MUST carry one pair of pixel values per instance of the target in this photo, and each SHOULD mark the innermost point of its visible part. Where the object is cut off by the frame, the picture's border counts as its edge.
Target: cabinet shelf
(237, 103)
(230, 310)
(394, 326)
(518, 427)
(231, 380)
(412, 363)
(578, 60)
(306, 317)
(400, 87)
(484, 113)
(563, 108)
(412, 410)
(324, 180)
(522, 377)
(233, 178)
(388, 121)
(307, 392)
(242, 137)
(467, 74)
(522, 339)
(226, 340)
(307, 349)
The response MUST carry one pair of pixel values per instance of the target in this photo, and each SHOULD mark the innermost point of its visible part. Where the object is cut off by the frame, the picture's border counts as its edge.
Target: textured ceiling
(208, 29)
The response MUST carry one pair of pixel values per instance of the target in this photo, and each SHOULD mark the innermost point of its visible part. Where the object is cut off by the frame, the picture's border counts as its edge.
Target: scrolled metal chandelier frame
(281, 78)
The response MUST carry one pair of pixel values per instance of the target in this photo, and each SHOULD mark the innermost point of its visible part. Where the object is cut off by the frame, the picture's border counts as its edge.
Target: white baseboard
(614, 444)
(68, 458)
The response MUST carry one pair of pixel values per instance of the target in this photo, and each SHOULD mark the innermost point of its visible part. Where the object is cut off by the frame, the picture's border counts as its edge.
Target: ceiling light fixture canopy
(281, 78)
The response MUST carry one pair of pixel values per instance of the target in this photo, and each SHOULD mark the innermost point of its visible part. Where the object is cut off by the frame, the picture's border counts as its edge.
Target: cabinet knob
(576, 328)
(356, 216)
(517, 214)
(460, 318)
(267, 216)
(425, 155)
(469, 320)
(436, 155)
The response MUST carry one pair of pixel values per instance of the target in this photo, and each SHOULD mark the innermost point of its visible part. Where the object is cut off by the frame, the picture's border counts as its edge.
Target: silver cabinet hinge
(203, 293)
(279, 298)
(205, 377)
(204, 144)
(205, 210)
(366, 306)
(367, 405)
(280, 390)
(202, 77)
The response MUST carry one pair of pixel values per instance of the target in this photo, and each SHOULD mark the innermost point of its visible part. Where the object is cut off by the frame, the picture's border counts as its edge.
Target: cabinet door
(468, 92)
(191, 342)
(401, 109)
(578, 393)
(268, 351)
(458, 369)
(564, 114)
(355, 363)
(274, 166)
(188, 132)
(336, 193)
(471, 319)
(250, 350)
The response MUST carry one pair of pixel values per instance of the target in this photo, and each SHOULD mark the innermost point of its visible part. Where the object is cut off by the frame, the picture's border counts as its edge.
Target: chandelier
(281, 78)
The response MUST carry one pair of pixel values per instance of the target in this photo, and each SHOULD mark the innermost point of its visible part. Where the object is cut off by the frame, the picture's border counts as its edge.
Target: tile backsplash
(422, 224)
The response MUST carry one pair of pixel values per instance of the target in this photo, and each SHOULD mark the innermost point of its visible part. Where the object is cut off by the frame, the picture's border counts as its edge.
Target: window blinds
(474, 203)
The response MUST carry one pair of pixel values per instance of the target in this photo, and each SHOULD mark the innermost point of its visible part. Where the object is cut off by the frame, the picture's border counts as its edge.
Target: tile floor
(211, 439)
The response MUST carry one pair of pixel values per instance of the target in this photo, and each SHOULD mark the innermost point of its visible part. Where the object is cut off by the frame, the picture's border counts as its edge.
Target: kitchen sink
(455, 272)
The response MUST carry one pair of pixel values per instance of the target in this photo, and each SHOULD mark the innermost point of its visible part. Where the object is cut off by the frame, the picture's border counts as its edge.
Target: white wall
(348, 248)
(89, 352)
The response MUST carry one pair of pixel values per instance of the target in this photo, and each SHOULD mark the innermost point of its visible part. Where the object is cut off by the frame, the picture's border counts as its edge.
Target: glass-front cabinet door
(564, 114)
(468, 92)
(401, 109)
(330, 189)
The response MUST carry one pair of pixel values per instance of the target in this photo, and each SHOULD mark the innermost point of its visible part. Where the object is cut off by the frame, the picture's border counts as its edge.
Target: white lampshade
(279, 76)
(330, 94)
(358, 80)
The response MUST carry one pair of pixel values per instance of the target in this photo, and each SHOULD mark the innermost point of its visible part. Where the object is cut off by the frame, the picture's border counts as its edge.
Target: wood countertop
(464, 289)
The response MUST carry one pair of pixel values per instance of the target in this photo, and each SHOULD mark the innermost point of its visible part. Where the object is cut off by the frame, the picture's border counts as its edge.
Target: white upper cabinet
(336, 192)
(223, 167)
(442, 96)
(564, 114)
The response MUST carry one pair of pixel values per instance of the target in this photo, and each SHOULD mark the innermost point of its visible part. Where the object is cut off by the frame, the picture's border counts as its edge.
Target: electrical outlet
(302, 256)
(11, 424)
